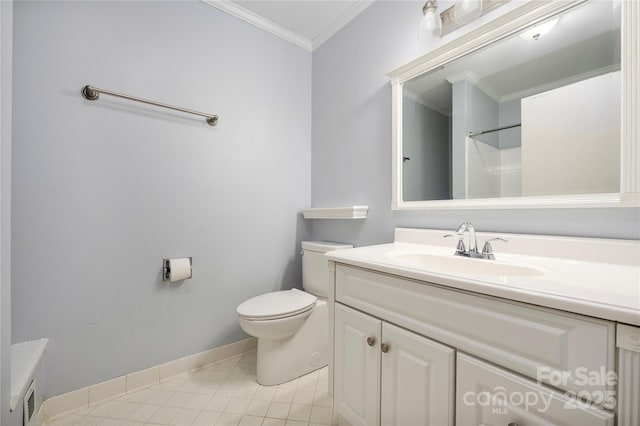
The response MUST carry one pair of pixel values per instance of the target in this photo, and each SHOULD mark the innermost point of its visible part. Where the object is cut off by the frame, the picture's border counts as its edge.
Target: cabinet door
(489, 395)
(417, 379)
(357, 366)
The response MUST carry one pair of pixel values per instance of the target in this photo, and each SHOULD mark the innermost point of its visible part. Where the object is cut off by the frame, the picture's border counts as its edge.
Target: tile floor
(223, 394)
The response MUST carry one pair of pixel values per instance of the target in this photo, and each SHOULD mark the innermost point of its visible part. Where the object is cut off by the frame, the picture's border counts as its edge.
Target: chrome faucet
(472, 251)
(461, 249)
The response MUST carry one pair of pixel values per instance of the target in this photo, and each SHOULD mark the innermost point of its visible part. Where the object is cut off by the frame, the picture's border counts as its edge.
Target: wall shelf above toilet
(350, 212)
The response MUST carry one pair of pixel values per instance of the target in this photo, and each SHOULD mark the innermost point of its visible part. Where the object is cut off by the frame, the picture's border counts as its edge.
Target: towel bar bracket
(89, 93)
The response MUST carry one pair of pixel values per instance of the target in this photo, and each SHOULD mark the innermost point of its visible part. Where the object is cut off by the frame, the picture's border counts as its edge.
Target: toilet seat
(276, 305)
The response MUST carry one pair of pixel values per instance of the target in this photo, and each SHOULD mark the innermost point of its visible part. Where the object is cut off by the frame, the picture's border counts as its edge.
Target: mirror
(527, 112)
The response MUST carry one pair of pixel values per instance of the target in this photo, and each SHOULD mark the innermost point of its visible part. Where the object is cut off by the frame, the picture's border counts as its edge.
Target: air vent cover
(30, 405)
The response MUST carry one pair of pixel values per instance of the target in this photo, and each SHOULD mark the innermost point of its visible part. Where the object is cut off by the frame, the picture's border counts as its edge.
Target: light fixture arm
(430, 4)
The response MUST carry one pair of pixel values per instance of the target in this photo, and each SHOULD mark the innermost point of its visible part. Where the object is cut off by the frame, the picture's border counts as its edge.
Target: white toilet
(292, 326)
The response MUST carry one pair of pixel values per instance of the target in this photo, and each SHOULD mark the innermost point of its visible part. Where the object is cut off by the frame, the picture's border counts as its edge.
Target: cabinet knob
(385, 348)
(512, 424)
(371, 340)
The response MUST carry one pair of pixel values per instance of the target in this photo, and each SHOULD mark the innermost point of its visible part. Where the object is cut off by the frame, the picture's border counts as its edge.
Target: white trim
(549, 202)
(630, 56)
(342, 20)
(628, 338)
(396, 145)
(420, 100)
(503, 26)
(473, 79)
(351, 212)
(26, 357)
(109, 389)
(628, 390)
(258, 21)
(254, 19)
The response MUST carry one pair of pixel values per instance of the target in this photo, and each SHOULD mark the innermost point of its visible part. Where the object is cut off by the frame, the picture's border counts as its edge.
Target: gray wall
(6, 32)
(102, 191)
(351, 148)
(426, 141)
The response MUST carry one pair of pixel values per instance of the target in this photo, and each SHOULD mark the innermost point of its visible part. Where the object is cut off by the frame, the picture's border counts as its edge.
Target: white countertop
(588, 276)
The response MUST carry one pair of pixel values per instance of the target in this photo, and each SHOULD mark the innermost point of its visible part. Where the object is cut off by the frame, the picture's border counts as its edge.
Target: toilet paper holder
(166, 269)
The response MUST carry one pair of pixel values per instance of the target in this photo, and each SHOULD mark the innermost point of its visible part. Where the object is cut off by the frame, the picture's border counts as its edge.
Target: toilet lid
(277, 304)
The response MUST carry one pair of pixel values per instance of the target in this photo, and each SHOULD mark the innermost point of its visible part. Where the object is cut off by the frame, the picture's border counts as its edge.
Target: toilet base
(282, 360)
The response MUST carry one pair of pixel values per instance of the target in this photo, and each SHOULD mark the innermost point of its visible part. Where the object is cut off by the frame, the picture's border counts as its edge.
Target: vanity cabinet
(489, 395)
(396, 341)
(390, 376)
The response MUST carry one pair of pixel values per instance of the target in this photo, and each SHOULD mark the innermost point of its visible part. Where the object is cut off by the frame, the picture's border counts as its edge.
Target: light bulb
(466, 10)
(431, 23)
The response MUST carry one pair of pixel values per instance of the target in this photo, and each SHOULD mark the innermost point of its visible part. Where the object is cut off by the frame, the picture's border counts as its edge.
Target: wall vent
(30, 405)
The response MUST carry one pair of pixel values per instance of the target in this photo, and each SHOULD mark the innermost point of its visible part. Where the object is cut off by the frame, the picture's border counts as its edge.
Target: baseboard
(119, 386)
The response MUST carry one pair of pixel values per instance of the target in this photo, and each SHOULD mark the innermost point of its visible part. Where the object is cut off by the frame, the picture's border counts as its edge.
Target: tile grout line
(172, 369)
(203, 415)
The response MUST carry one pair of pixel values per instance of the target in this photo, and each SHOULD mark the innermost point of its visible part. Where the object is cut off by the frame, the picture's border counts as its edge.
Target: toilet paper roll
(180, 269)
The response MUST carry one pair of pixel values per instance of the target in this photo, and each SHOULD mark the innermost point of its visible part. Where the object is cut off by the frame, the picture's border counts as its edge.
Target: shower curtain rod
(472, 134)
(92, 93)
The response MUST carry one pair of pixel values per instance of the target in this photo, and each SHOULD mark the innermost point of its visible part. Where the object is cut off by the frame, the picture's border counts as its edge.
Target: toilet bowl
(276, 315)
(292, 326)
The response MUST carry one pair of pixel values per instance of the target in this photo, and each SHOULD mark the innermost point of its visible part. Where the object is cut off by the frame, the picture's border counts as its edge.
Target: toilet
(292, 326)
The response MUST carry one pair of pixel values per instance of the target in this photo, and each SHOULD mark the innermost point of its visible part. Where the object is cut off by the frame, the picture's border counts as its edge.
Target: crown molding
(425, 103)
(254, 19)
(260, 22)
(473, 79)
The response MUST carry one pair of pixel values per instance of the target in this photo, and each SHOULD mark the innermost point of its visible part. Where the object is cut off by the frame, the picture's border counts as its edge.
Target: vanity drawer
(488, 395)
(557, 347)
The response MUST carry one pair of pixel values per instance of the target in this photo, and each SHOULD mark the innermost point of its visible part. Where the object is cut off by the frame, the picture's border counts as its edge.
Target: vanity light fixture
(463, 11)
(431, 23)
(537, 31)
(466, 10)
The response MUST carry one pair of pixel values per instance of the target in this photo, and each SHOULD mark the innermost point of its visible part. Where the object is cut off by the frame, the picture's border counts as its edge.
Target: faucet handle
(487, 250)
(460, 248)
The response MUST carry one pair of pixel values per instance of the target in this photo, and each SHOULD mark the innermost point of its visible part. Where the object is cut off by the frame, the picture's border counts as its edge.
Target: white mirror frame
(503, 26)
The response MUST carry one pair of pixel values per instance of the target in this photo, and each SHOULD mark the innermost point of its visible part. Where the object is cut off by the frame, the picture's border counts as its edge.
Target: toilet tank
(315, 268)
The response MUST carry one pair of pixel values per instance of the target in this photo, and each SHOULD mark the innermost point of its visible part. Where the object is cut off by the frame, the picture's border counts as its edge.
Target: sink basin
(463, 265)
